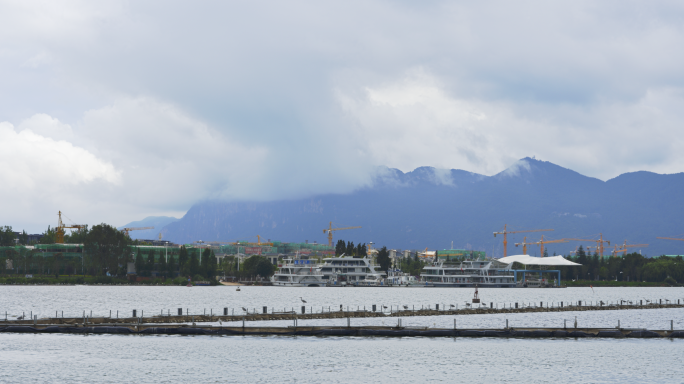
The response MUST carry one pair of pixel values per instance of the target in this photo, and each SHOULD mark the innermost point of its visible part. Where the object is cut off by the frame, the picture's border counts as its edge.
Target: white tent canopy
(558, 261)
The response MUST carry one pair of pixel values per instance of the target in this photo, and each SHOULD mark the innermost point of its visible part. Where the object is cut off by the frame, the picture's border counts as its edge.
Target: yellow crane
(330, 230)
(669, 238)
(524, 245)
(599, 245)
(126, 230)
(540, 243)
(623, 248)
(260, 243)
(505, 232)
(59, 231)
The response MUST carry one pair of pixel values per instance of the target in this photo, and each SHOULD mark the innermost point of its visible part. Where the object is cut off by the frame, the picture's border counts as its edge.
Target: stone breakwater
(366, 331)
(324, 314)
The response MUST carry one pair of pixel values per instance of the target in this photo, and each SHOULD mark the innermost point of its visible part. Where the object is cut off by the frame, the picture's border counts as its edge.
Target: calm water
(73, 300)
(153, 359)
(117, 358)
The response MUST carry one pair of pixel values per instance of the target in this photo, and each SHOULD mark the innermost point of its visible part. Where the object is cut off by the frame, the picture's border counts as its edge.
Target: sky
(112, 111)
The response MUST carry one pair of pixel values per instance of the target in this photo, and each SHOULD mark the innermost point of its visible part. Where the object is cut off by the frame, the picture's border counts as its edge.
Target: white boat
(350, 271)
(469, 273)
(298, 273)
(397, 278)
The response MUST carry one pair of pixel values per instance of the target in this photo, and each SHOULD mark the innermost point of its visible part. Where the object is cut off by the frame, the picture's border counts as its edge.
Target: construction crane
(505, 232)
(598, 247)
(540, 243)
(599, 244)
(330, 230)
(59, 231)
(623, 248)
(669, 238)
(126, 230)
(260, 243)
(524, 245)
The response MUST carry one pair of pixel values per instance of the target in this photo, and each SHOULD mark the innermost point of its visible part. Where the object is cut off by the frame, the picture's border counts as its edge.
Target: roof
(529, 260)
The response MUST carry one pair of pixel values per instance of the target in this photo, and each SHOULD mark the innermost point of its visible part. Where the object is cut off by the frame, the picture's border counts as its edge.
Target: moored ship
(350, 271)
(298, 273)
(468, 273)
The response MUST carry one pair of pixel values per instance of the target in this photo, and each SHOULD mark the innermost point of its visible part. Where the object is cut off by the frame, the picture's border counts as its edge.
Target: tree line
(630, 267)
(348, 249)
(107, 252)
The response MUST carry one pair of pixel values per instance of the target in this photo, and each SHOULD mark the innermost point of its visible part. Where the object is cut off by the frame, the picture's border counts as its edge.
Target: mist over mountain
(430, 207)
(158, 222)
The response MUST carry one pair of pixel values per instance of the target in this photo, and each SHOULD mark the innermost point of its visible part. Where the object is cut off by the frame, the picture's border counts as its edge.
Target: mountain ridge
(429, 207)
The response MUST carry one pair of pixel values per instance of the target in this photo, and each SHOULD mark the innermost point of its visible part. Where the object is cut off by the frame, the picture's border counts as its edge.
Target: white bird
(451, 305)
(405, 306)
(384, 306)
(20, 317)
(244, 309)
(303, 301)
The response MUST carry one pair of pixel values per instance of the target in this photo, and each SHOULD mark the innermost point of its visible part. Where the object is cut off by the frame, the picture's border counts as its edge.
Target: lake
(116, 358)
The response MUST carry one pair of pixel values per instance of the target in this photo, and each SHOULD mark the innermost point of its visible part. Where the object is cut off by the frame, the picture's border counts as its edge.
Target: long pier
(89, 320)
(365, 331)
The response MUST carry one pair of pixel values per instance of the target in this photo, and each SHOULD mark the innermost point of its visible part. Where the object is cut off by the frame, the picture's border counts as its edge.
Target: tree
(171, 267)
(209, 261)
(258, 265)
(23, 238)
(206, 260)
(48, 236)
(161, 266)
(384, 259)
(106, 248)
(56, 263)
(182, 256)
(350, 249)
(7, 236)
(149, 264)
(78, 236)
(340, 248)
(360, 251)
(139, 264)
(193, 263)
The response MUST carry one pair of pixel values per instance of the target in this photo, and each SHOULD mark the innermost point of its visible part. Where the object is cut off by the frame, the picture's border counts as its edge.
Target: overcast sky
(112, 111)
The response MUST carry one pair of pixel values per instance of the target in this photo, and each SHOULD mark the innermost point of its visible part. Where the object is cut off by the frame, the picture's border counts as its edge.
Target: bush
(670, 281)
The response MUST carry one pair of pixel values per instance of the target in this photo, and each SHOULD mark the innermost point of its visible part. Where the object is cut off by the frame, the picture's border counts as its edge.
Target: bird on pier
(303, 301)
(451, 305)
(244, 309)
(20, 317)
(384, 306)
(405, 306)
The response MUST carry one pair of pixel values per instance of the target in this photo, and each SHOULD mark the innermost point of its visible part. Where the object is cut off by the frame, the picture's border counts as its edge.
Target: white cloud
(263, 100)
(413, 121)
(31, 161)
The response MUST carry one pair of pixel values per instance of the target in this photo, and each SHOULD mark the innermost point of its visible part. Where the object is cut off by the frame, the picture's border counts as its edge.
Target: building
(460, 254)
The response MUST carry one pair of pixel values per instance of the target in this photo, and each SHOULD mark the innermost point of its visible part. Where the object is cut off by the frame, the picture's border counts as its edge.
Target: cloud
(267, 100)
(31, 161)
(41, 175)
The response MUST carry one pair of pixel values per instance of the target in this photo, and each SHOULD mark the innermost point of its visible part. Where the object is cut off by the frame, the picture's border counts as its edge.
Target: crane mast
(505, 232)
(59, 231)
(330, 230)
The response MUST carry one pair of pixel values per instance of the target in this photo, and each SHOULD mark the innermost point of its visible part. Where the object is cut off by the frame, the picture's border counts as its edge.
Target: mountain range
(432, 208)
